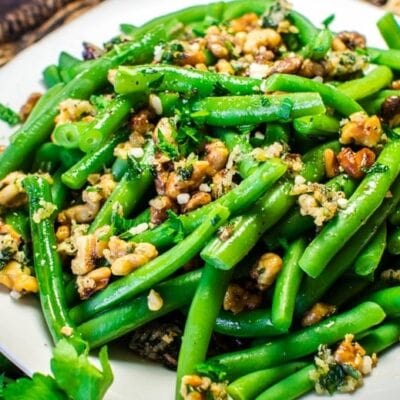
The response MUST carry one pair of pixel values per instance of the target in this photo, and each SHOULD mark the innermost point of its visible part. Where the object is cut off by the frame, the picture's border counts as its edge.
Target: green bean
(319, 46)
(290, 388)
(121, 224)
(380, 338)
(307, 30)
(153, 272)
(37, 130)
(369, 258)
(235, 9)
(66, 60)
(51, 76)
(49, 156)
(394, 217)
(249, 227)
(159, 78)
(317, 126)
(365, 200)
(238, 199)
(300, 343)
(107, 122)
(252, 324)
(48, 266)
(76, 176)
(332, 96)
(390, 30)
(128, 192)
(277, 133)
(312, 289)
(59, 192)
(393, 244)
(119, 167)
(255, 109)
(68, 135)
(388, 299)
(295, 224)
(374, 103)
(377, 79)
(287, 286)
(390, 58)
(249, 386)
(120, 320)
(200, 321)
(19, 222)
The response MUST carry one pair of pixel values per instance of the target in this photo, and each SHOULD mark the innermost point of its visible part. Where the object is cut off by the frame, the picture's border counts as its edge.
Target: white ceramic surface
(23, 335)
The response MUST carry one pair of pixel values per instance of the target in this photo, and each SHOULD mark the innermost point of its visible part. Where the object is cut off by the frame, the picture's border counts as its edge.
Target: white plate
(23, 335)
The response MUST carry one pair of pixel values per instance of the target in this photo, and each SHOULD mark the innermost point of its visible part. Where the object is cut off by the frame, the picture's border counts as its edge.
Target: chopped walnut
(72, 110)
(217, 42)
(89, 250)
(217, 155)
(257, 38)
(224, 67)
(349, 40)
(318, 201)
(318, 312)
(30, 103)
(356, 163)
(140, 122)
(158, 209)
(12, 194)
(117, 248)
(18, 278)
(93, 282)
(294, 162)
(331, 163)
(141, 255)
(339, 64)
(245, 23)
(193, 53)
(238, 299)
(390, 110)
(68, 244)
(195, 387)
(222, 182)
(350, 353)
(361, 130)
(196, 200)
(311, 69)
(264, 153)
(395, 85)
(266, 270)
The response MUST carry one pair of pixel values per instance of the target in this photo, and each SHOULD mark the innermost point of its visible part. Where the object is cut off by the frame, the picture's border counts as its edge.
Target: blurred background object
(23, 22)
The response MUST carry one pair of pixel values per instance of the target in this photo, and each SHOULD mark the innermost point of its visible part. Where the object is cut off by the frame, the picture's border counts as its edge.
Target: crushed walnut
(317, 313)
(196, 387)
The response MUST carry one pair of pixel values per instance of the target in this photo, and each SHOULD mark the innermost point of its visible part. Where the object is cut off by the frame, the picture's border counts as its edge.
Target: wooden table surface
(23, 22)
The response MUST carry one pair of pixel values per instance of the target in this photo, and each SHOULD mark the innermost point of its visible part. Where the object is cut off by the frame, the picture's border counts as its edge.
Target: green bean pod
(19, 222)
(393, 244)
(317, 126)
(389, 58)
(48, 266)
(390, 30)
(255, 109)
(331, 96)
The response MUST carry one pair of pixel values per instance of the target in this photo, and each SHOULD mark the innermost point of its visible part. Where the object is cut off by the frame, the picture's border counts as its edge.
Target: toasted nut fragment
(142, 254)
(318, 312)
(68, 245)
(245, 23)
(355, 164)
(89, 250)
(256, 38)
(177, 184)
(63, 232)
(222, 182)
(154, 301)
(12, 195)
(289, 65)
(27, 108)
(266, 270)
(195, 387)
(224, 67)
(216, 155)
(331, 163)
(158, 209)
(140, 122)
(238, 299)
(197, 200)
(396, 85)
(350, 353)
(216, 42)
(93, 281)
(73, 110)
(338, 44)
(362, 130)
(67, 331)
(351, 40)
(390, 110)
(117, 248)
(18, 278)
(311, 69)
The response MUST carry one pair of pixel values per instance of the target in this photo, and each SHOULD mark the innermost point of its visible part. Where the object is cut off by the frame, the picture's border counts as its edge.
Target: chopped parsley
(9, 116)
(328, 20)
(169, 149)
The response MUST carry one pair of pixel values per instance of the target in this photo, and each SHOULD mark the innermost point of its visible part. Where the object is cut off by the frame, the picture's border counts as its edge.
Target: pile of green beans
(151, 121)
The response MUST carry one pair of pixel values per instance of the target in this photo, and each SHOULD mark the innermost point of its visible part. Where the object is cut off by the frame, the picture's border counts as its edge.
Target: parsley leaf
(328, 20)
(176, 225)
(167, 148)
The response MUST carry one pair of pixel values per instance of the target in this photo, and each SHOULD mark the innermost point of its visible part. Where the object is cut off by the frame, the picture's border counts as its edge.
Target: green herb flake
(328, 20)
(9, 116)
(167, 148)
